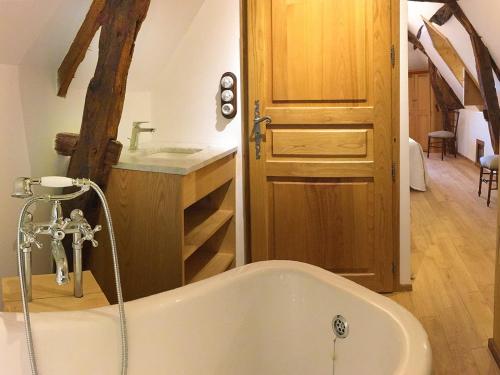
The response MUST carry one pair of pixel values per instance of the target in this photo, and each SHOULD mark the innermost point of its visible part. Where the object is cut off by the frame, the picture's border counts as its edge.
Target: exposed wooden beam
(442, 16)
(66, 144)
(484, 67)
(445, 96)
(496, 69)
(105, 98)
(76, 54)
(488, 89)
(416, 43)
(436, 79)
(447, 51)
(464, 20)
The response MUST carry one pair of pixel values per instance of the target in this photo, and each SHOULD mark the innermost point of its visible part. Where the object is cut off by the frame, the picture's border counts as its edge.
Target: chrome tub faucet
(56, 229)
(136, 130)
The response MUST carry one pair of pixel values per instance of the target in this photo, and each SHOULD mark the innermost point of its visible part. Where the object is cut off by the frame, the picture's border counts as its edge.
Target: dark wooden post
(120, 21)
(96, 149)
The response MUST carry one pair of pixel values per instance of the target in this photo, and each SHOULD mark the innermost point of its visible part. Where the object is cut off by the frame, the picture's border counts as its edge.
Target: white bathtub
(262, 319)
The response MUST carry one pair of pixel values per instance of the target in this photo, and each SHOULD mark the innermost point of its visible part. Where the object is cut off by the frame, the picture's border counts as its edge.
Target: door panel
(300, 142)
(342, 214)
(322, 190)
(309, 61)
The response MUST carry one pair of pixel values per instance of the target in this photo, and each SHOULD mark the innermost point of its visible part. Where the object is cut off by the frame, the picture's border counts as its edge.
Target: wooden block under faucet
(49, 297)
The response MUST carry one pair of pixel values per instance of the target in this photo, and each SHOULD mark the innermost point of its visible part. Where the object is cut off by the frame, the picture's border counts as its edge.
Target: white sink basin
(173, 158)
(172, 152)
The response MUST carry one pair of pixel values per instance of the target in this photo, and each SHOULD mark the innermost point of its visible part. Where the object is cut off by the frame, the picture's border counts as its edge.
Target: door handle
(257, 120)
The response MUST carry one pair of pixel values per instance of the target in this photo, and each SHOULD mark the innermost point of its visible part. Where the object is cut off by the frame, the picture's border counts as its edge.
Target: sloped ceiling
(482, 14)
(39, 32)
(21, 21)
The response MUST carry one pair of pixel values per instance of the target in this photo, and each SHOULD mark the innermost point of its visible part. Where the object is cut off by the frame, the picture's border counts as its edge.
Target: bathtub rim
(416, 357)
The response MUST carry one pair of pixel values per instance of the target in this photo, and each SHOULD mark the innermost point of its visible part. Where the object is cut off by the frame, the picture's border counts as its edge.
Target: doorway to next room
(453, 181)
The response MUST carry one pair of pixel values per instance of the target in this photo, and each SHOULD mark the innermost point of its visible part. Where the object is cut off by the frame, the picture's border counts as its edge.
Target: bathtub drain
(340, 327)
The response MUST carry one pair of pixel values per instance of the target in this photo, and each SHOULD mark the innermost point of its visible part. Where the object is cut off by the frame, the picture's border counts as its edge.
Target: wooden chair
(490, 163)
(445, 137)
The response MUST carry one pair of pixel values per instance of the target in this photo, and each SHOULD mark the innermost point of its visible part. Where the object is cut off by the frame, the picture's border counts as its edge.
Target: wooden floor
(453, 256)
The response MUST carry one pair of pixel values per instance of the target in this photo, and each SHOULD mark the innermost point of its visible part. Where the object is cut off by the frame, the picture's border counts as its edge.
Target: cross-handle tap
(88, 234)
(56, 229)
(30, 236)
(86, 231)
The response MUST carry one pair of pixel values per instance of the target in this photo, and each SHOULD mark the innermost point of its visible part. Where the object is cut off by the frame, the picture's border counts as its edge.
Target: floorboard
(453, 258)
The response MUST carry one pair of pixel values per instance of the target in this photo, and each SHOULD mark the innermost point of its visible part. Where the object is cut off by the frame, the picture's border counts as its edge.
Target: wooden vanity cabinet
(170, 229)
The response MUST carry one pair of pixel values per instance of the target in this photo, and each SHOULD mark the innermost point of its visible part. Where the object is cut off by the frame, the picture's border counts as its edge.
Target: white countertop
(173, 158)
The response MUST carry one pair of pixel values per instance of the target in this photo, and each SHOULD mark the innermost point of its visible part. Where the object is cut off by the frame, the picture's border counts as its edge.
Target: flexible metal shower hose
(22, 276)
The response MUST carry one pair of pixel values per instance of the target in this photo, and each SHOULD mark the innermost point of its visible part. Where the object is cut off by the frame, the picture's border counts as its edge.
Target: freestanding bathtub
(268, 318)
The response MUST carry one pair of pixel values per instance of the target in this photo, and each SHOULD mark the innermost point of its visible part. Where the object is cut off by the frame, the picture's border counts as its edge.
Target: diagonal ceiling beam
(93, 21)
(445, 96)
(442, 16)
(496, 69)
(484, 67)
(416, 43)
(447, 52)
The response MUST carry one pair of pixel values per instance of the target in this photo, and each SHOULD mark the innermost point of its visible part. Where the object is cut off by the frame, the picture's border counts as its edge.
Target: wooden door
(421, 116)
(321, 192)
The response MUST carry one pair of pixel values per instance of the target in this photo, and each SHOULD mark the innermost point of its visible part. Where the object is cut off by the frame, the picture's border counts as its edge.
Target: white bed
(418, 170)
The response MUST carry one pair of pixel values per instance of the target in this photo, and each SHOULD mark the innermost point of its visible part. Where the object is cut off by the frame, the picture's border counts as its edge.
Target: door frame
(395, 87)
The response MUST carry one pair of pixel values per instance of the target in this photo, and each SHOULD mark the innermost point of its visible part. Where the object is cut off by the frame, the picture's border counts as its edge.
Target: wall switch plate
(228, 95)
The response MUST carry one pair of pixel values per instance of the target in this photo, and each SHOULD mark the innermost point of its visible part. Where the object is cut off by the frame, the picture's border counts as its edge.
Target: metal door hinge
(394, 171)
(393, 267)
(393, 56)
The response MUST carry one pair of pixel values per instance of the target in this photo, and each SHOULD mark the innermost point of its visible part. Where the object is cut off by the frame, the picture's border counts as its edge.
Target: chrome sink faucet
(136, 130)
(56, 228)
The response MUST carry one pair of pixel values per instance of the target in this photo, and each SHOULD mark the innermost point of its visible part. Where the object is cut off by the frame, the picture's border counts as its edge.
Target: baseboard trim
(467, 159)
(403, 288)
(494, 351)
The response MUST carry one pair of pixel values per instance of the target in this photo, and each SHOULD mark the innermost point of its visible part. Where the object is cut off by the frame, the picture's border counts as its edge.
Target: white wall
(472, 126)
(185, 101)
(15, 163)
(404, 198)
(416, 59)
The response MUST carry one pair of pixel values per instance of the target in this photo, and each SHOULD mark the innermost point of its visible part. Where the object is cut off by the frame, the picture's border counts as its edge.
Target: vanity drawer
(198, 184)
(320, 142)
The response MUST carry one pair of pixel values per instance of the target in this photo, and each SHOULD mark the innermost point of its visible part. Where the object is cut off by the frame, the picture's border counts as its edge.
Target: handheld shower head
(22, 187)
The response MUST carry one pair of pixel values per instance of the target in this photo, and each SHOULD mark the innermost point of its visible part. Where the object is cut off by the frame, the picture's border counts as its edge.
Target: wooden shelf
(203, 265)
(201, 225)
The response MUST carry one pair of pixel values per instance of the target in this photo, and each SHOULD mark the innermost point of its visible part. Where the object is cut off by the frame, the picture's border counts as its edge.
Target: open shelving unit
(171, 229)
(209, 235)
(201, 227)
